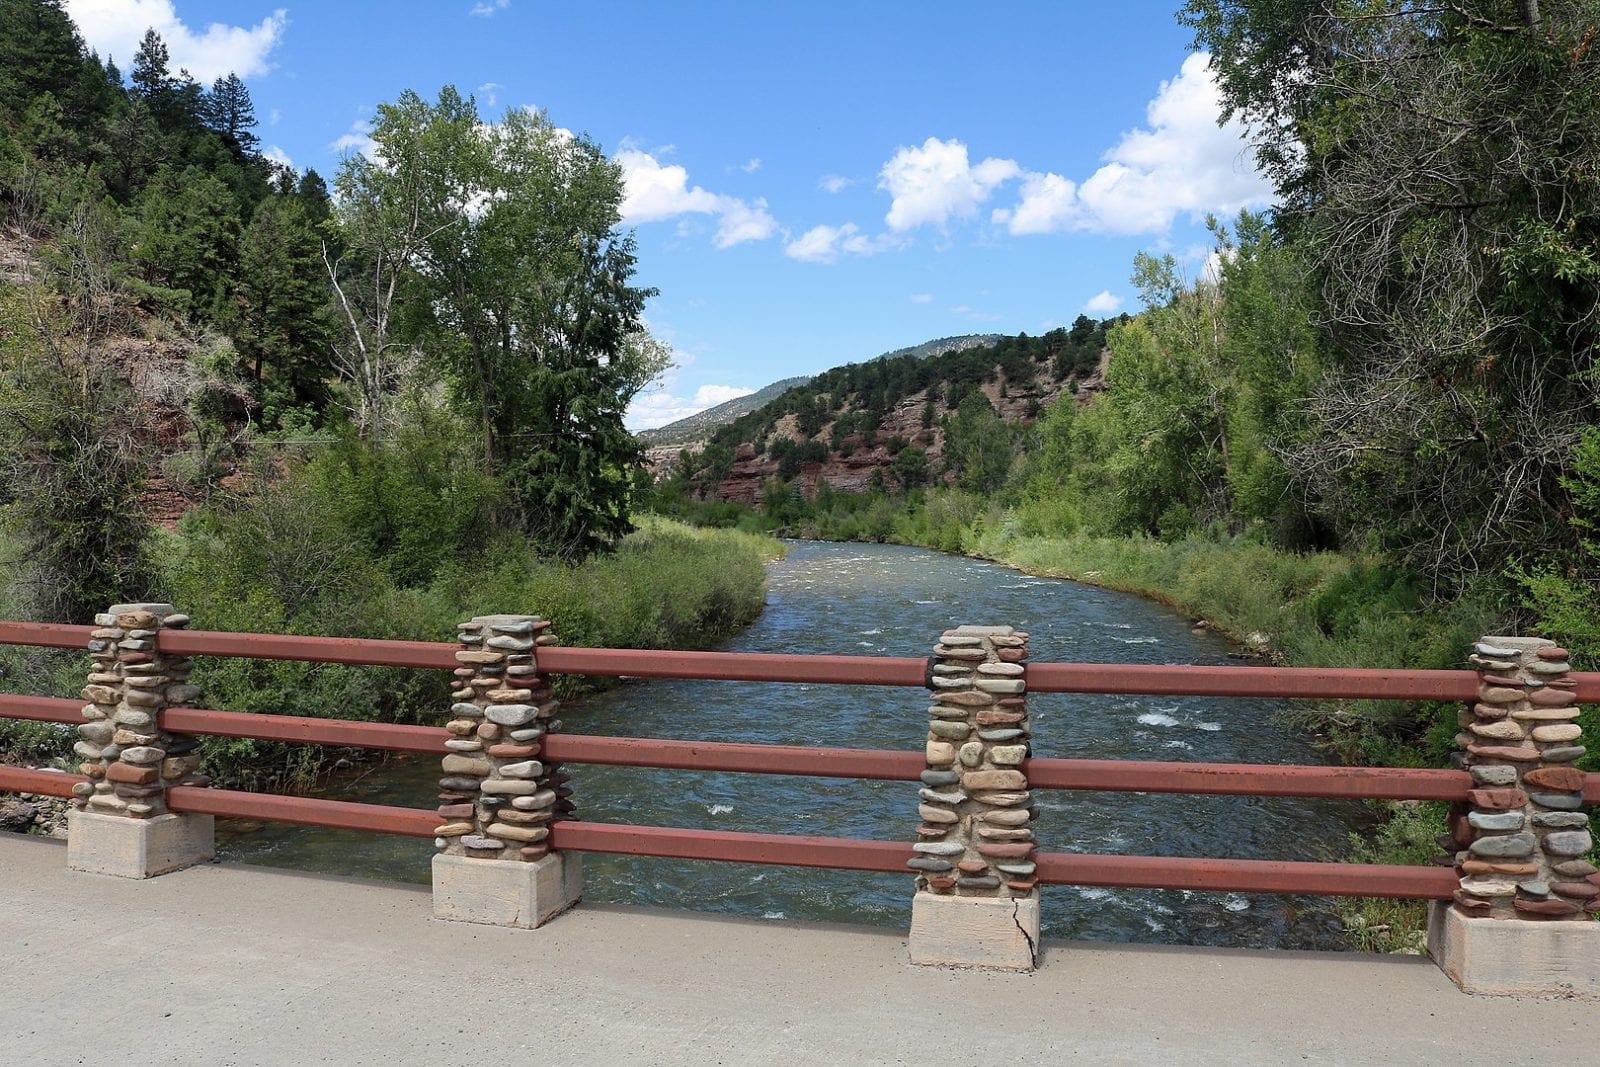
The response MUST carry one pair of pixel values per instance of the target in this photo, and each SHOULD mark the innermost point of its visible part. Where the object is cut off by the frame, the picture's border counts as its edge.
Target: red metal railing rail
(1160, 680)
(1124, 776)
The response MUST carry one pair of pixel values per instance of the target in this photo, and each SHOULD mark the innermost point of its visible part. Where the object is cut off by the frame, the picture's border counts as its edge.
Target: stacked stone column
(977, 902)
(1523, 834)
(497, 798)
(128, 758)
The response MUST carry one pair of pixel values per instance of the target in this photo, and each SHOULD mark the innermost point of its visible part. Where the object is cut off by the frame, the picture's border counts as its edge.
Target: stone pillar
(498, 798)
(120, 824)
(1519, 921)
(977, 901)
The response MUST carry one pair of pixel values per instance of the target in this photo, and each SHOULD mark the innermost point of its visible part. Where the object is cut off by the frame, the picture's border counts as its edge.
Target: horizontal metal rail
(1159, 680)
(1123, 776)
(305, 811)
(45, 783)
(40, 709)
(1054, 868)
(394, 737)
(1247, 876)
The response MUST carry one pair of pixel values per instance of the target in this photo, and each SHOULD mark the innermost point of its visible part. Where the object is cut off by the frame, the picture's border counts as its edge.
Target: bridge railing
(1463, 789)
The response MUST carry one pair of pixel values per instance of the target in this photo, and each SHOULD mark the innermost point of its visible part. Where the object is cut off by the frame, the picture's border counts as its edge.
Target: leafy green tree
(1439, 166)
(502, 241)
(978, 445)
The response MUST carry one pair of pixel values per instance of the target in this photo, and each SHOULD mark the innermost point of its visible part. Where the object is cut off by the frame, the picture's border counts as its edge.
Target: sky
(809, 184)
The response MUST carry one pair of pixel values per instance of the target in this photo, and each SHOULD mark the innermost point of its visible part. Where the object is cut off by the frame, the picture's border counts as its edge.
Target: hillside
(693, 430)
(885, 422)
(697, 427)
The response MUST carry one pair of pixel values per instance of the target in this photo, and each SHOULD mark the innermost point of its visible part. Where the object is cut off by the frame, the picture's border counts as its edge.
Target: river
(893, 601)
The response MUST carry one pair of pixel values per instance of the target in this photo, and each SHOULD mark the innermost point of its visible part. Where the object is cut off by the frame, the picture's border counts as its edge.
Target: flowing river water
(893, 601)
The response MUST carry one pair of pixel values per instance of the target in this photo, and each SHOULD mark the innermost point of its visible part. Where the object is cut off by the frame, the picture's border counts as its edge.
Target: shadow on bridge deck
(242, 965)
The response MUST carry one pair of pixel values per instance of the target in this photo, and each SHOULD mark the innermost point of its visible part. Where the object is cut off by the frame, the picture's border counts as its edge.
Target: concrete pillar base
(1515, 956)
(137, 848)
(505, 892)
(989, 932)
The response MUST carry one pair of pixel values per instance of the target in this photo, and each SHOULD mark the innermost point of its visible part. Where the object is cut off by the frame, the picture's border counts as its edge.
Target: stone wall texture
(497, 798)
(1520, 840)
(975, 805)
(128, 758)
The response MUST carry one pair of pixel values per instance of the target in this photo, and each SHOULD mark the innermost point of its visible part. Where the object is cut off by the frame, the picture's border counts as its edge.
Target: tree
(40, 52)
(229, 113)
(1439, 167)
(150, 75)
(282, 328)
(978, 445)
(185, 239)
(501, 241)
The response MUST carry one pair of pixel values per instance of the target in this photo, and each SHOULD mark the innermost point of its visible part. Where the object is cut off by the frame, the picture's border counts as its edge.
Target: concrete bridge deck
(241, 965)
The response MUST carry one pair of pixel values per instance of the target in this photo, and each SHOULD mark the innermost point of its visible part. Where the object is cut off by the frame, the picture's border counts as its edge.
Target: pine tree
(283, 330)
(229, 113)
(151, 76)
(40, 52)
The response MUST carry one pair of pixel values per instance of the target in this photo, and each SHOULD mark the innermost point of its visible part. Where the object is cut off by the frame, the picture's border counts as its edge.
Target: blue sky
(810, 184)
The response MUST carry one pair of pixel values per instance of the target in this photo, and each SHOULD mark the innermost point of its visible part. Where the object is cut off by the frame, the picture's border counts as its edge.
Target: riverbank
(667, 585)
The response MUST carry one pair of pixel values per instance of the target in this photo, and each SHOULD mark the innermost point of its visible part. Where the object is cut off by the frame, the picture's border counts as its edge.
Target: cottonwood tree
(1439, 166)
(494, 249)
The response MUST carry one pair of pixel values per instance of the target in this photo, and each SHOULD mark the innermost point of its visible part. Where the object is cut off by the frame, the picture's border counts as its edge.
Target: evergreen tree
(229, 113)
(40, 52)
(282, 328)
(151, 77)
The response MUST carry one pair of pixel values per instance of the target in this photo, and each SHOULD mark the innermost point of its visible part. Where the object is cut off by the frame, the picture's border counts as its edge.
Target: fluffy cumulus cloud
(278, 156)
(487, 9)
(824, 244)
(936, 182)
(661, 405)
(1181, 162)
(833, 183)
(358, 138)
(653, 191)
(115, 27)
(1102, 303)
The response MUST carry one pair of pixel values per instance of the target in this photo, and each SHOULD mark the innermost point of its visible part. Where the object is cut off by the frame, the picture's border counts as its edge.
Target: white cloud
(1103, 303)
(935, 182)
(115, 27)
(487, 9)
(490, 91)
(358, 138)
(274, 116)
(652, 192)
(823, 244)
(922, 298)
(278, 156)
(1182, 162)
(832, 183)
(752, 166)
(661, 406)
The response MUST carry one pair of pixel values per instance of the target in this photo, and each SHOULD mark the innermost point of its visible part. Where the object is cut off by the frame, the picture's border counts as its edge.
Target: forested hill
(915, 416)
(691, 432)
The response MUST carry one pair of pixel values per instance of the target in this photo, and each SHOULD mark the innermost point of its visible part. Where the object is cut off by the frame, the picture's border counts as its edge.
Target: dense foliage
(181, 305)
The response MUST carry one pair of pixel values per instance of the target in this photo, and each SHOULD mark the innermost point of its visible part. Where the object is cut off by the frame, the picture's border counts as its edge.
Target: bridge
(1512, 912)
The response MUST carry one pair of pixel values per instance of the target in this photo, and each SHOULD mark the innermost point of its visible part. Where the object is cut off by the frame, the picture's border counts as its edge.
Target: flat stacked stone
(129, 759)
(975, 804)
(497, 797)
(1521, 838)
